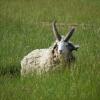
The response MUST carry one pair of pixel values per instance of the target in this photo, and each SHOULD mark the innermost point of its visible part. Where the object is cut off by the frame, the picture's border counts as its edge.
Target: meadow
(23, 28)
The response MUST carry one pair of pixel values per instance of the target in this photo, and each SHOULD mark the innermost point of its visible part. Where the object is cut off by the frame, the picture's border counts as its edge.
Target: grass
(21, 31)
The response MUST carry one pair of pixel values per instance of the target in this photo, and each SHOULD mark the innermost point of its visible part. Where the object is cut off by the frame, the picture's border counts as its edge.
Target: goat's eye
(66, 45)
(56, 45)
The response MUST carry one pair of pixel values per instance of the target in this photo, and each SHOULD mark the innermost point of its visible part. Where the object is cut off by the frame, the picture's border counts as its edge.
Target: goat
(44, 60)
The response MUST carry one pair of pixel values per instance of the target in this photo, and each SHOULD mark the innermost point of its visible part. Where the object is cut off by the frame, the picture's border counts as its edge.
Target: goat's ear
(55, 31)
(77, 47)
(69, 34)
(72, 47)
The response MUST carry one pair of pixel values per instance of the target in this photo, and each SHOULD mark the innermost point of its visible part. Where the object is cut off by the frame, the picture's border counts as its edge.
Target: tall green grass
(21, 31)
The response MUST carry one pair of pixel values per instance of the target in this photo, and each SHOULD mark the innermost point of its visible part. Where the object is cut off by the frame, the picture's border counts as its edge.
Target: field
(26, 25)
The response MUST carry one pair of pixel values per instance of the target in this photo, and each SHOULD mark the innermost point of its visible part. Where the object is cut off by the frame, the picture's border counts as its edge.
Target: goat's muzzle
(60, 51)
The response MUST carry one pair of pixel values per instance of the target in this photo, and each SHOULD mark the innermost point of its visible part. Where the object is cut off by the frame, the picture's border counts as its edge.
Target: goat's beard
(62, 57)
(65, 57)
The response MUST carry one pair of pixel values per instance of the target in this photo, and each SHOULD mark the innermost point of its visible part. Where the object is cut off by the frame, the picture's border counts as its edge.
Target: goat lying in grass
(44, 60)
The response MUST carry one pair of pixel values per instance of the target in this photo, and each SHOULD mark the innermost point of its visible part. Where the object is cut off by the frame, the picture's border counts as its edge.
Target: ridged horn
(69, 34)
(55, 31)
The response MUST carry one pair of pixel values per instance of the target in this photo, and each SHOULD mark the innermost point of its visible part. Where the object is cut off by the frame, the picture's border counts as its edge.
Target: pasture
(25, 25)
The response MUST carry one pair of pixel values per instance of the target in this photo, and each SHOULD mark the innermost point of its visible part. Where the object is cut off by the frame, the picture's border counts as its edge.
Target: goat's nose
(60, 51)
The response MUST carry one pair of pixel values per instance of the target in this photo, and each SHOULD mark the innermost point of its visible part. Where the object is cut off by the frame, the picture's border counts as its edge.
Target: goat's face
(65, 48)
(63, 45)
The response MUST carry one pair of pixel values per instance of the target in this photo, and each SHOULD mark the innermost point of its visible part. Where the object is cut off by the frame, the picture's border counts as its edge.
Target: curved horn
(70, 33)
(55, 31)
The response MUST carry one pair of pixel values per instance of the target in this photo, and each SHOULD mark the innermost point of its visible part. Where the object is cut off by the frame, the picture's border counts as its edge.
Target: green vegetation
(21, 31)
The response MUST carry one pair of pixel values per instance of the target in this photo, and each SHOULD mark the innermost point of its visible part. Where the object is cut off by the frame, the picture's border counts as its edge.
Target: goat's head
(63, 46)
